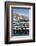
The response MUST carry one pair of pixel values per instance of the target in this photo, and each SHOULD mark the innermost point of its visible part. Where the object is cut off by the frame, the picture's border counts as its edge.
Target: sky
(21, 11)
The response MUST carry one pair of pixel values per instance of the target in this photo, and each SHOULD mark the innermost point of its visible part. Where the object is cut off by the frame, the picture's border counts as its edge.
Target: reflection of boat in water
(20, 32)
